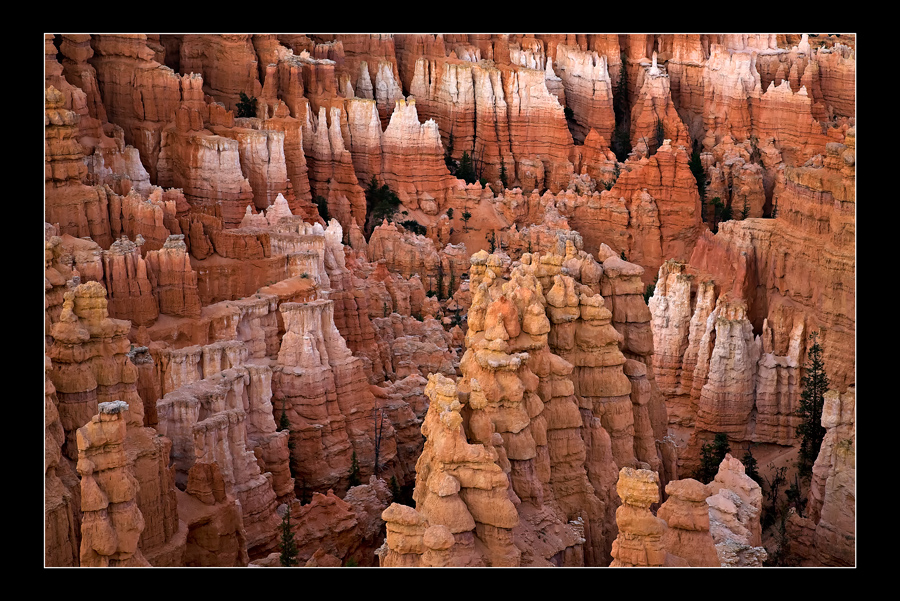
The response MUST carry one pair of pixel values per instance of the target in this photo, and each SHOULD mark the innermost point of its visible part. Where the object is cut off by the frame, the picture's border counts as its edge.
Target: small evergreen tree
(466, 170)
(395, 489)
(288, 556)
(621, 142)
(651, 288)
(414, 226)
(492, 240)
(812, 400)
(623, 257)
(448, 156)
(751, 468)
(247, 106)
(794, 496)
(450, 213)
(775, 483)
(354, 472)
(466, 216)
(699, 173)
(711, 455)
(620, 93)
(727, 214)
(305, 494)
(717, 207)
(382, 203)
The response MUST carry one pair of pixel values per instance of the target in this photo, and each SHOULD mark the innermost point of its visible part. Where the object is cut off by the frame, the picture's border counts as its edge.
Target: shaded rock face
(227, 63)
(130, 292)
(208, 422)
(827, 534)
(345, 529)
(484, 106)
(323, 391)
(62, 505)
(588, 90)
(140, 94)
(173, 279)
(750, 296)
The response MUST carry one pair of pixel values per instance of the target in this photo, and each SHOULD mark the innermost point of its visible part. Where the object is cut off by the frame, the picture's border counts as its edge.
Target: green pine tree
(795, 497)
(699, 172)
(751, 467)
(448, 155)
(660, 133)
(466, 170)
(354, 472)
(395, 489)
(381, 202)
(492, 240)
(812, 400)
(305, 494)
(711, 455)
(288, 556)
(247, 106)
(465, 217)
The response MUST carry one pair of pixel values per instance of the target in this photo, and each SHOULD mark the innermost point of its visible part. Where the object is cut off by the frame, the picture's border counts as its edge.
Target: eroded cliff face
(827, 534)
(749, 297)
(209, 268)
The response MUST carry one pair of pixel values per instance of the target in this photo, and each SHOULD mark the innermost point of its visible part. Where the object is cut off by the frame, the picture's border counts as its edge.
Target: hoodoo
(449, 300)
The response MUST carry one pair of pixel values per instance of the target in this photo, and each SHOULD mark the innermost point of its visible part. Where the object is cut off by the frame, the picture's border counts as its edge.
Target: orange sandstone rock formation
(588, 90)
(734, 510)
(757, 283)
(227, 63)
(90, 363)
(640, 539)
(323, 391)
(112, 522)
(687, 517)
(78, 209)
(209, 422)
